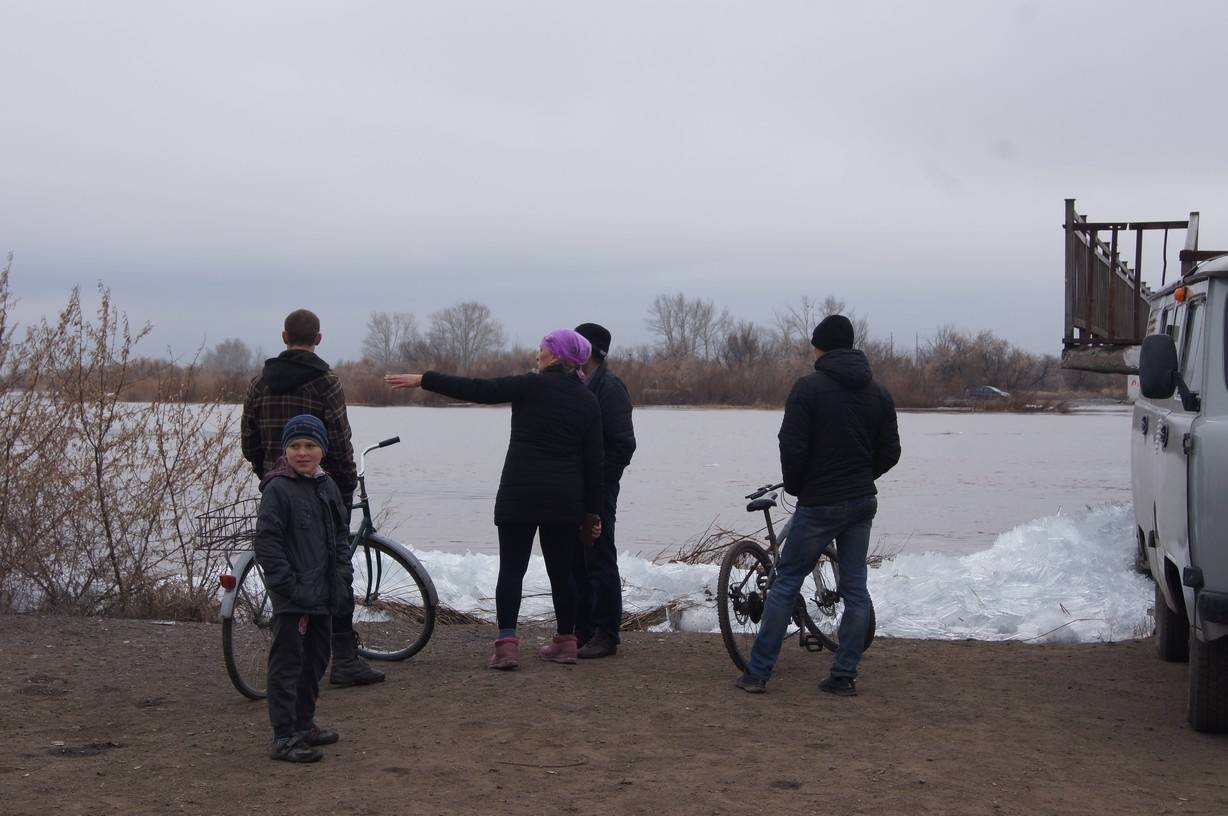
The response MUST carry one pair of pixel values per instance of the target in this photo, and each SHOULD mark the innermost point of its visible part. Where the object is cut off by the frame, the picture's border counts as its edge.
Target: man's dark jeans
(599, 587)
(811, 530)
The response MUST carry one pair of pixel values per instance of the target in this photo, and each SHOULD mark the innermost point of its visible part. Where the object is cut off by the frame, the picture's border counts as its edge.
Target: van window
(1192, 346)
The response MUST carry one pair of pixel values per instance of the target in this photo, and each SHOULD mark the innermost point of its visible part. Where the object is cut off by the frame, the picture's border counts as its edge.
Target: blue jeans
(812, 529)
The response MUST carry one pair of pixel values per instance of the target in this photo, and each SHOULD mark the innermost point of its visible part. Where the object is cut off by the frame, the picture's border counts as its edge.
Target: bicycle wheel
(393, 613)
(820, 606)
(741, 591)
(248, 633)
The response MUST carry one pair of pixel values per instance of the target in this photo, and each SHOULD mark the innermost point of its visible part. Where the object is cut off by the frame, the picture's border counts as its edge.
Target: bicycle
(395, 602)
(747, 574)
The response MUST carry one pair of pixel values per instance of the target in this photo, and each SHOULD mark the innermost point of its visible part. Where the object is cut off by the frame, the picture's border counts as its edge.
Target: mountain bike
(395, 603)
(747, 573)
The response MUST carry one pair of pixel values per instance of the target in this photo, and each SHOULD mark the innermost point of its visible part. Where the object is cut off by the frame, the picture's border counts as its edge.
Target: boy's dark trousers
(599, 588)
(296, 663)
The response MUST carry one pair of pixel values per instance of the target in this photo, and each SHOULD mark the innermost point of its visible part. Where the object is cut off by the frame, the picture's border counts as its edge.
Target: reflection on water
(963, 478)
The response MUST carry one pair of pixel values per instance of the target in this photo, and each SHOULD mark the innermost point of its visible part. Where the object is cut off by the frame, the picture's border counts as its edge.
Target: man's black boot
(599, 645)
(348, 668)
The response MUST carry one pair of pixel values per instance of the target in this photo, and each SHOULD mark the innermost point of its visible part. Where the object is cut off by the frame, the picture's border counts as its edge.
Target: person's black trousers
(515, 547)
(343, 616)
(297, 661)
(599, 587)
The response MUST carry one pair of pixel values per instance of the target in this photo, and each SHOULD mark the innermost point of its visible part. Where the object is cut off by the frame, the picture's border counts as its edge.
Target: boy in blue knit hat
(302, 545)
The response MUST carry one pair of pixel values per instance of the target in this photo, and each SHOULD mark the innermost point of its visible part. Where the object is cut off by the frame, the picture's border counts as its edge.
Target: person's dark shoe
(292, 749)
(318, 736)
(348, 668)
(842, 686)
(751, 685)
(599, 645)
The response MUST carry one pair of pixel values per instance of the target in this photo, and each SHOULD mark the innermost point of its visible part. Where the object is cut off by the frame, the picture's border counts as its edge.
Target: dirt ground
(131, 717)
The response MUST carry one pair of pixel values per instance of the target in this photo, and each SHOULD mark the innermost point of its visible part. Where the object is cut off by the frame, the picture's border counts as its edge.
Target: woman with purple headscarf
(551, 483)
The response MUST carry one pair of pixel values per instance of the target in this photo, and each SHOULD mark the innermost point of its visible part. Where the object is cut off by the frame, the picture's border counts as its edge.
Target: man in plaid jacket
(298, 382)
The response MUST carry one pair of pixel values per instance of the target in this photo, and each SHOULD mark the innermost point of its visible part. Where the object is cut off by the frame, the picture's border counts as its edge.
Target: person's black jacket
(617, 432)
(302, 542)
(552, 472)
(839, 432)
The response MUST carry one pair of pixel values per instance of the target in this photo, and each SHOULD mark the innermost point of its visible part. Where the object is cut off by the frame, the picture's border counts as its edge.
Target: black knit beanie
(598, 336)
(834, 332)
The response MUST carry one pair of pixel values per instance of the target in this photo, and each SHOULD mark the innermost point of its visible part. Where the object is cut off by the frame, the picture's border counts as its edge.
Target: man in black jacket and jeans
(839, 434)
(599, 590)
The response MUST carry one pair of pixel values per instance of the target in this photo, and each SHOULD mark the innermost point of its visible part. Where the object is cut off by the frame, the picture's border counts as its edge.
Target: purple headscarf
(569, 346)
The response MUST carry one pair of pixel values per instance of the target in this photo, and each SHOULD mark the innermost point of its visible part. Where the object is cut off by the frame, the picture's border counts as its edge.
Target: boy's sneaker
(292, 749)
(751, 685)
(318, 736)
(842, 686)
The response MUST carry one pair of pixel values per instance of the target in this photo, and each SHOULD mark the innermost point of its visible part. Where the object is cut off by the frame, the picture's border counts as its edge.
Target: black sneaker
(751, 685)
(318, 736)
(599, 645)
(353, 671)
(842, 686)
(292, 749)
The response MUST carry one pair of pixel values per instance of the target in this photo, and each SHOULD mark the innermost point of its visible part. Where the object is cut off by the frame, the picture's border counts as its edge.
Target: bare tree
(464, 333)
(231, 356)
(389, 335)
(746, 344)
(687, 328)
(796, 322)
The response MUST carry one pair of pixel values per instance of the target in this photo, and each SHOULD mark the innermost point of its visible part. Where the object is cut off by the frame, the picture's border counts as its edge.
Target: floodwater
(963, 479)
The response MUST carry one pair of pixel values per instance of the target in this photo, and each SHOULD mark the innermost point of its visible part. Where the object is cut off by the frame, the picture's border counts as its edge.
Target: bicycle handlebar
(390, 441)
(362, 457)
(765, 489)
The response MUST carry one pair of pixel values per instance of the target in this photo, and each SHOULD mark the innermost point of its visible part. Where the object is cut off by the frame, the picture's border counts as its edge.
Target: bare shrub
(99, 494)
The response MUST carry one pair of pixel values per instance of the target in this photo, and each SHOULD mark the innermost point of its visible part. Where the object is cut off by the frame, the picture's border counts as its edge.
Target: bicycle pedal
(811, 643)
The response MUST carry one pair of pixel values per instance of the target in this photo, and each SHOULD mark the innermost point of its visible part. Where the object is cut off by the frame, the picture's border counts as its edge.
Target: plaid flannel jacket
(266, 413)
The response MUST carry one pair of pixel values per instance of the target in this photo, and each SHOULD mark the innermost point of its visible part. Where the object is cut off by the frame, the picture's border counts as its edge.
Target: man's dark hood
(849, 367)
(292, 369)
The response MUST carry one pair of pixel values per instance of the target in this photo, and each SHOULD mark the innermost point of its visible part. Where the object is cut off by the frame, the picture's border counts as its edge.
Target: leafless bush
(99, 494)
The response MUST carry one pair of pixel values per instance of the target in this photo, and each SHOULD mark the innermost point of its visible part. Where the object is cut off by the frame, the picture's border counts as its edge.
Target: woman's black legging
(515, 547)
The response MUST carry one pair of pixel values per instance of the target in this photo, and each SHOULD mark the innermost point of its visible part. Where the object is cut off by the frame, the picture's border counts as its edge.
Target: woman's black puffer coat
(552, 473)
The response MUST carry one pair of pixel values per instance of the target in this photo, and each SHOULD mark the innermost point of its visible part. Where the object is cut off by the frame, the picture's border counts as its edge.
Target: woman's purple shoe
(561, 649)
(506, 655)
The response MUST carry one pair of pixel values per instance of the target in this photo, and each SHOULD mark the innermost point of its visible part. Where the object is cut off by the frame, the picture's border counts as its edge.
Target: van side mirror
(1157, 367)
(1157, 372)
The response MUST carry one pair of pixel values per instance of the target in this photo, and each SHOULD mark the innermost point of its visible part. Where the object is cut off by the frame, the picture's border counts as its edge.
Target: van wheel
(1172, 631)
(1208, 707)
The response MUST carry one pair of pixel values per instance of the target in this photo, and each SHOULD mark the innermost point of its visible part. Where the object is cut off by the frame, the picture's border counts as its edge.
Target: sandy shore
(107, 716)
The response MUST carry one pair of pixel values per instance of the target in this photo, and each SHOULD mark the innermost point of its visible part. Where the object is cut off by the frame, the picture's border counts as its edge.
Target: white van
(1176, 342)
(1179, 471)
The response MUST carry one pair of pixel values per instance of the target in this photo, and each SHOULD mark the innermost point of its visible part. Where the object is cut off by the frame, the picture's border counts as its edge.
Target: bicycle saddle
(761, 504)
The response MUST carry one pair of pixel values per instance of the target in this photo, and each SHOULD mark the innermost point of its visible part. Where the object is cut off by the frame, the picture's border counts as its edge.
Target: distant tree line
(700, 355)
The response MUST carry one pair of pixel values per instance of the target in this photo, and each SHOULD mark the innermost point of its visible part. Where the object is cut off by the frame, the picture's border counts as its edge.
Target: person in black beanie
(838, 435)
(599, 611)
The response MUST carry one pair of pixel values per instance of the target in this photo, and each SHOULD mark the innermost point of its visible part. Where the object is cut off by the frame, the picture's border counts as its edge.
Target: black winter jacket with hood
(552, 471)
(303, 542)
(617, 432)
(839, 432)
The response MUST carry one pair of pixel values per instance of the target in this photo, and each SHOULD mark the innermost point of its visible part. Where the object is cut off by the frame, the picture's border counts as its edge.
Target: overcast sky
(219, 164)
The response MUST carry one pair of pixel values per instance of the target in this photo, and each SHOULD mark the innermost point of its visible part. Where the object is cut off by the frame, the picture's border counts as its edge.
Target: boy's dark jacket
(292, 383)
(839, 432)
(302, 542)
